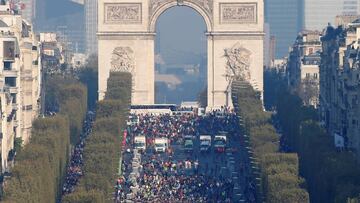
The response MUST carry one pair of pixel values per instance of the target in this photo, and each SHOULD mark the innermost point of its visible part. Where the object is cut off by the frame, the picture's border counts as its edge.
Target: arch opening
(180, 55)
(163, 8)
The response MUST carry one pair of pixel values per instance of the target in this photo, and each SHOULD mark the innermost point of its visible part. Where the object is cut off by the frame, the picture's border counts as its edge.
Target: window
(10, 81)
(13, 96)
(354, 100)
(315, 75)
(9, 50)
(7, 65)
(27, 107)
(307, 75)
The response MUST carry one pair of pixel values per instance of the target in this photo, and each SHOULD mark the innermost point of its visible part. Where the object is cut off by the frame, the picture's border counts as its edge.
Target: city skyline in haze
(303, 14)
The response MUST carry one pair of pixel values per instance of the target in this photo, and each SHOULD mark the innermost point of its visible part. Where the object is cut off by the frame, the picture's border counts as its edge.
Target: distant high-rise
(91, 26)
(285, 18)
(29, 10)
(318, 13)
(288, 17)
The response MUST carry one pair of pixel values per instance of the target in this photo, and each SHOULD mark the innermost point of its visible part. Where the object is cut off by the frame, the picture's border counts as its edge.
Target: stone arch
(167, 5)
(233, 27)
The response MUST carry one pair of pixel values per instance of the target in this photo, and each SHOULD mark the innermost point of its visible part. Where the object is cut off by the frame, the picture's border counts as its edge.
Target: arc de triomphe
(126, 34)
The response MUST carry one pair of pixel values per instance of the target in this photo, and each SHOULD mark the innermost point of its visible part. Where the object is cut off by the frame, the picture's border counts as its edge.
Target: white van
(161, 145)
(140, 143)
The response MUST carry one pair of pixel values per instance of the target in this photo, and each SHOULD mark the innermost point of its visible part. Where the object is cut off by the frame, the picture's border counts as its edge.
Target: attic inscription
(207, 5)
(238, 13)
(123, 13)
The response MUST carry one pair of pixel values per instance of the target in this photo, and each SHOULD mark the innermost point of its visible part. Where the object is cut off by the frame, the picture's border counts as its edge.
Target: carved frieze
(238, 13)
(123, 13)
(206, 5)
(122, 60)
(238, 60)
(155, 4)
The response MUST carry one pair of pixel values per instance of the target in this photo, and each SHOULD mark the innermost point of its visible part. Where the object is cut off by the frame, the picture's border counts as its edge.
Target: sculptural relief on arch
(126, 34)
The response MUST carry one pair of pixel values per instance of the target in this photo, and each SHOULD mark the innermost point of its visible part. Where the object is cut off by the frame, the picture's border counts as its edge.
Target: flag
(22, 6)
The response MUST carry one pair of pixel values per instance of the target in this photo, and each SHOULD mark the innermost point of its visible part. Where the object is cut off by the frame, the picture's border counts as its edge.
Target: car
(133, 120)
(205, 143)
(188, 143)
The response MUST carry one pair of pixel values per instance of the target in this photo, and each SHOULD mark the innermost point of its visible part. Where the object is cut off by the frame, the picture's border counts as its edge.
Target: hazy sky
(57, 8)
(180, 33)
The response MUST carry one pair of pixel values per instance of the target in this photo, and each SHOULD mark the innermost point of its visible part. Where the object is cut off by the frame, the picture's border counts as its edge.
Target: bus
(155, 109)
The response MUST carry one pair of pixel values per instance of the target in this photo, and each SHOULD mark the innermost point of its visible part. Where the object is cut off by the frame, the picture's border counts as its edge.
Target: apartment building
(303, 66)
(19, 81)
(340, 84)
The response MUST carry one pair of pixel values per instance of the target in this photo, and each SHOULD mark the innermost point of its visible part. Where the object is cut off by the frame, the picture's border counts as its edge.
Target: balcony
(13, 90)
(10, 72)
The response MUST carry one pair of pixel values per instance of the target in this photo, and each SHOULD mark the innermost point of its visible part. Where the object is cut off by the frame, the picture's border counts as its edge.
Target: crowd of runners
(174, 127)
(75, 170)
(167, 177)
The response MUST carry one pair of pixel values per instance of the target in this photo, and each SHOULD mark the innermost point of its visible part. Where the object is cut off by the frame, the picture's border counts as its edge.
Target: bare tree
(308, 91)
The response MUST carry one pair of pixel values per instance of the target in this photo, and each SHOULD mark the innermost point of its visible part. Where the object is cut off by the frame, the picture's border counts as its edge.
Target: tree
(84, 196)
(41, 164)
(89, 76)
(331, 176)
(103, 149)
(279, 178)
(309, 92)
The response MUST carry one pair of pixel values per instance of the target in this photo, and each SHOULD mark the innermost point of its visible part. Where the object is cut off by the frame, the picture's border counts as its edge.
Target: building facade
(52, 53)
(340, 84)
(303, 66)
(30, 79)
(345, 19)
(19, 81)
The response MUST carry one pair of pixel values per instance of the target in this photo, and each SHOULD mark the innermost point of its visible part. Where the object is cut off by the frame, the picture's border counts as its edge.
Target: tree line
(331, 175)
(103, 148)
(280, 181)
(41, 164)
